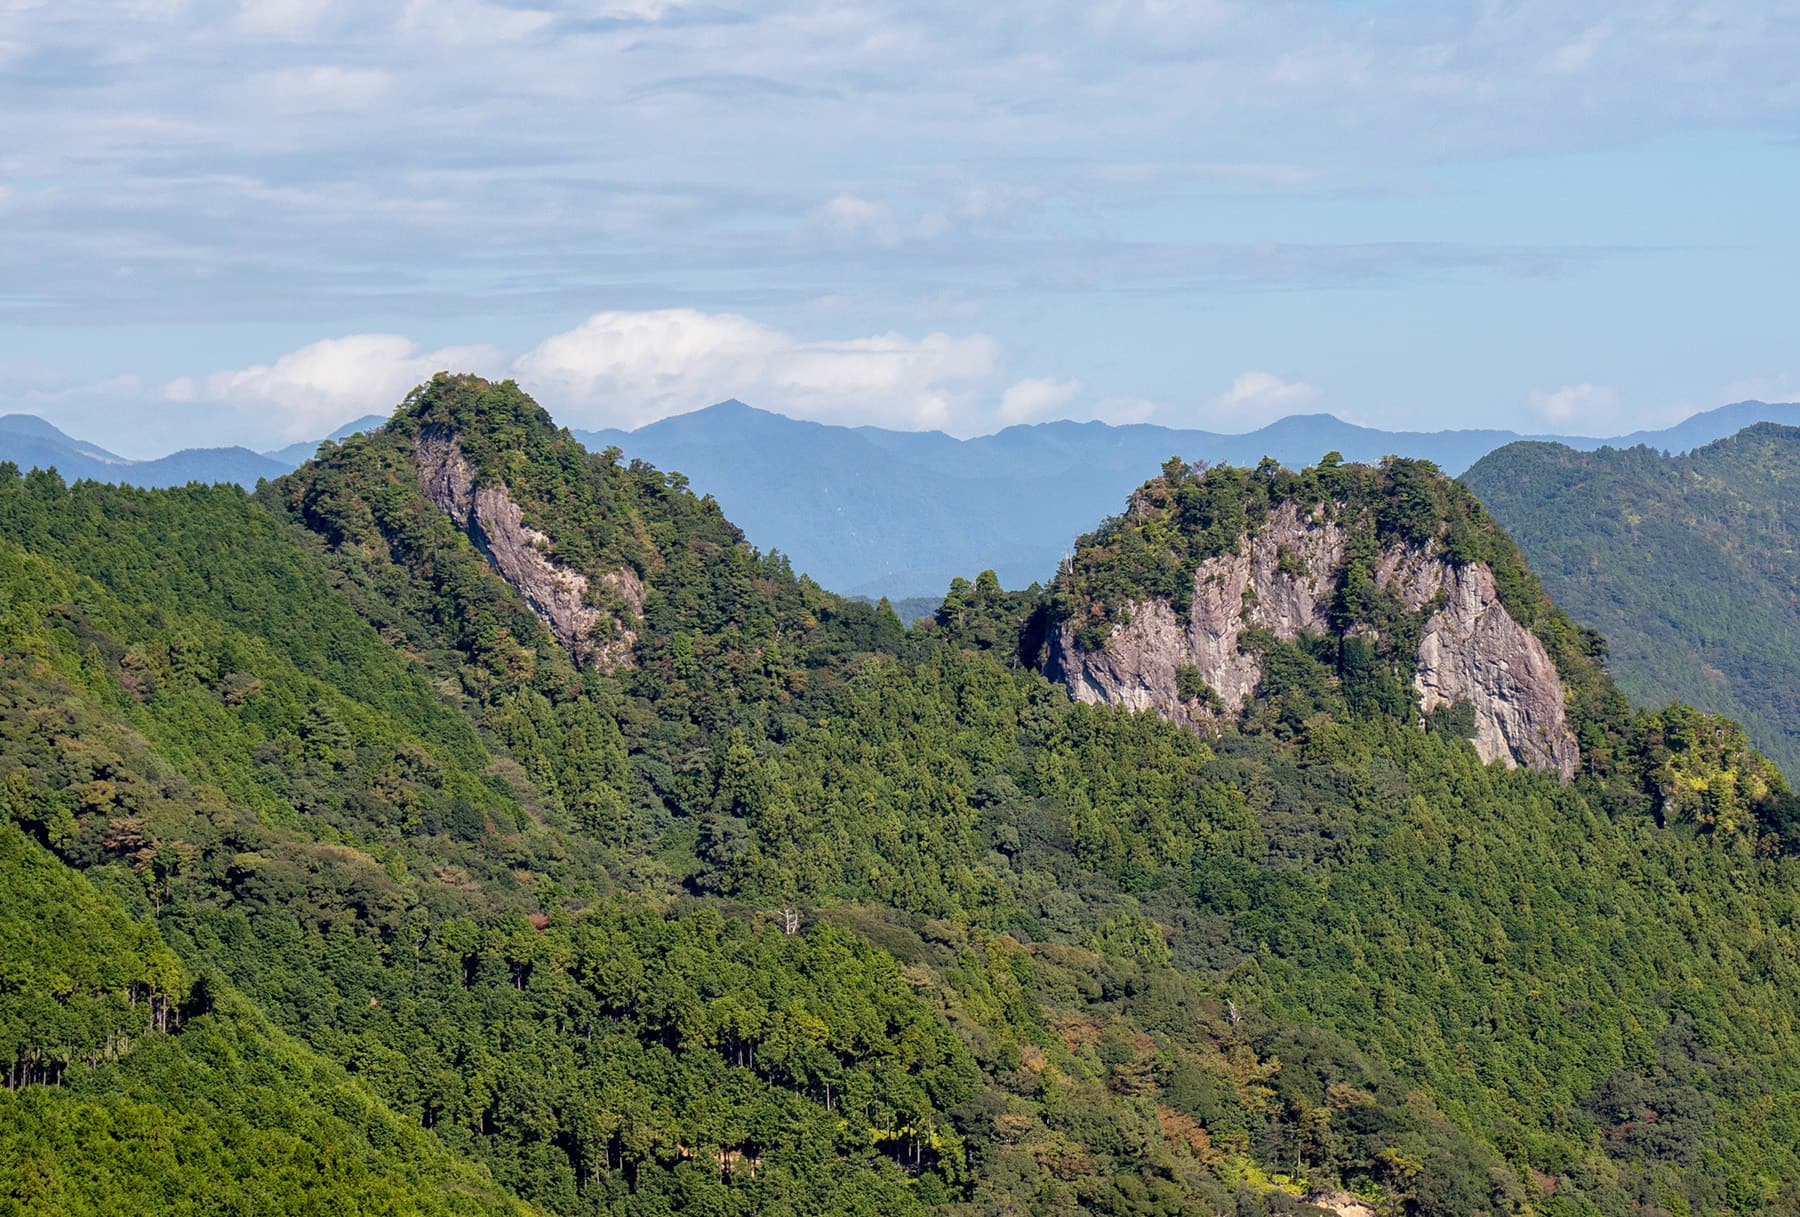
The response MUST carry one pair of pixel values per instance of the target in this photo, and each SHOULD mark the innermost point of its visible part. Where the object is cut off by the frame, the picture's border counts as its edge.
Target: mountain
(1390, 578)
(872, 512)
(31, 443)
(1686, 563)
(893, 513)
(468, 822)
(295, 455)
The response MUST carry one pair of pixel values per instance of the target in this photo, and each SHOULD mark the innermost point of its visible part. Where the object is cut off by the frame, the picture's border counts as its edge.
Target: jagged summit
(529, 552)
(1389, 579)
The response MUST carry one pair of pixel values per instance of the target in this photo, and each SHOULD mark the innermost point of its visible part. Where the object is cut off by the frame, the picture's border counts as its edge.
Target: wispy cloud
(439, 139)
(1257, 398)
(1037, 398)
(1588, 409)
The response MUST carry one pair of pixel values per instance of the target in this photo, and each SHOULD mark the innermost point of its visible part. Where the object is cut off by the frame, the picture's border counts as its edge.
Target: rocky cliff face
(559, 595)
(1283, 578)
(1473, 651)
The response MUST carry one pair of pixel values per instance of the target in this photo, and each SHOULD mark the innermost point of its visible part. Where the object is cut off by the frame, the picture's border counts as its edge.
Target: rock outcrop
(1471, 650)
(1283, 578)
(560, 596)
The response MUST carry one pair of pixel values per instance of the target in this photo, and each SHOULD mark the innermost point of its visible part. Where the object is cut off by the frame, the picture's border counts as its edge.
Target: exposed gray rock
(558, 594)
(1249, 587)
(1283, 579)
(1472, 650)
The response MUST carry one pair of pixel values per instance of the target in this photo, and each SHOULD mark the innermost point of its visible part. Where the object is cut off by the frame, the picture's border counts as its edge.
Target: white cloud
(850, 218)
(856, 220)
(627, 368)
(1119, 410)
(1257, 398)
(326, 87)
(1587, 407)
(996, 203)
(308, 392)
(282, 18)
(1036, 398)
(473, 22)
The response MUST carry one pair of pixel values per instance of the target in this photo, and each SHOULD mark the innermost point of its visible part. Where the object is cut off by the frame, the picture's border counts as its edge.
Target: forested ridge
(336, 884)
(1685, 562)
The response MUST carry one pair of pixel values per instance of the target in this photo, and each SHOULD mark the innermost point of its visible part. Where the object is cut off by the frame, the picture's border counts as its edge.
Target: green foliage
(799, 912)
(1684, 562)
(130, 1086)
(1453, 720)
(1191, 685)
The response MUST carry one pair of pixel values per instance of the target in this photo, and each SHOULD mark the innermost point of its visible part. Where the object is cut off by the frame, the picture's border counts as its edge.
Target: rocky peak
(564, 598)
(1285, 556)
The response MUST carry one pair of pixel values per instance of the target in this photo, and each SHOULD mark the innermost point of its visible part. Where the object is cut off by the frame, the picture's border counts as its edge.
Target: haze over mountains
(32, 443)
(868, 511)
(875, 512)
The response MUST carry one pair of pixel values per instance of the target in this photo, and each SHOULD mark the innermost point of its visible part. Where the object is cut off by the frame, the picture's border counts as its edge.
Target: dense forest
(334, 883)
(1685, 563)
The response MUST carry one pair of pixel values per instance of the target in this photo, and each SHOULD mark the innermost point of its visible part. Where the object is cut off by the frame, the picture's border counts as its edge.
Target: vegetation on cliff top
(1191, 513)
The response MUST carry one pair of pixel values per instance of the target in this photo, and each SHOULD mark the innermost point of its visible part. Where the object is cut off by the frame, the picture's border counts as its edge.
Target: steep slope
(1686, 563)
(132, 1085)
(1390, 574)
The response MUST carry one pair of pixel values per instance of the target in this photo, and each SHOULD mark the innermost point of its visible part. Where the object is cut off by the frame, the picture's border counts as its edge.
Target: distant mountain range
(899, 513)
(29, 442)
(872, 512)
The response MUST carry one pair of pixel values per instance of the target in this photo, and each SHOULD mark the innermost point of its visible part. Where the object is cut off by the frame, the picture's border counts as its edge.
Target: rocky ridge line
(556, 593)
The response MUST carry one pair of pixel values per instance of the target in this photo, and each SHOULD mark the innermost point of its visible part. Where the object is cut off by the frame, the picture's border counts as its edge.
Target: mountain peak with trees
(1389, 577)
(1684, 561)
(797, 911)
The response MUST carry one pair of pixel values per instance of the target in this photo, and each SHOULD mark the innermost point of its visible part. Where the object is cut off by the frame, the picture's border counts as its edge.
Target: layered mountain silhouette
(32, 443)
(467, 823)
(873, 512)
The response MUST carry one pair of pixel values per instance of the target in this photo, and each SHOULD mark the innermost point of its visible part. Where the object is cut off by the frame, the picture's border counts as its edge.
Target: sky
(249, 221)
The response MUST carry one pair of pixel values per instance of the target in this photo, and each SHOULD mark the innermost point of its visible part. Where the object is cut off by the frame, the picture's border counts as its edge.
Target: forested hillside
(1686, 563)
(374, 879)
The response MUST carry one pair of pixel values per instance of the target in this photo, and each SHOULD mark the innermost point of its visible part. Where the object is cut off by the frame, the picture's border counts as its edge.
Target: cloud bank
(625, 369)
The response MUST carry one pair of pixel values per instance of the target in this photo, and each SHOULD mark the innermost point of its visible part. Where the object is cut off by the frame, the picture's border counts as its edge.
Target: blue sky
(250, 221)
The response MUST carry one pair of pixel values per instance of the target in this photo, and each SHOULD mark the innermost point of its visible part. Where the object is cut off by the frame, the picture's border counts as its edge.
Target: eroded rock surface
(558, 594)
(1283, 579)
(1473, 651)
